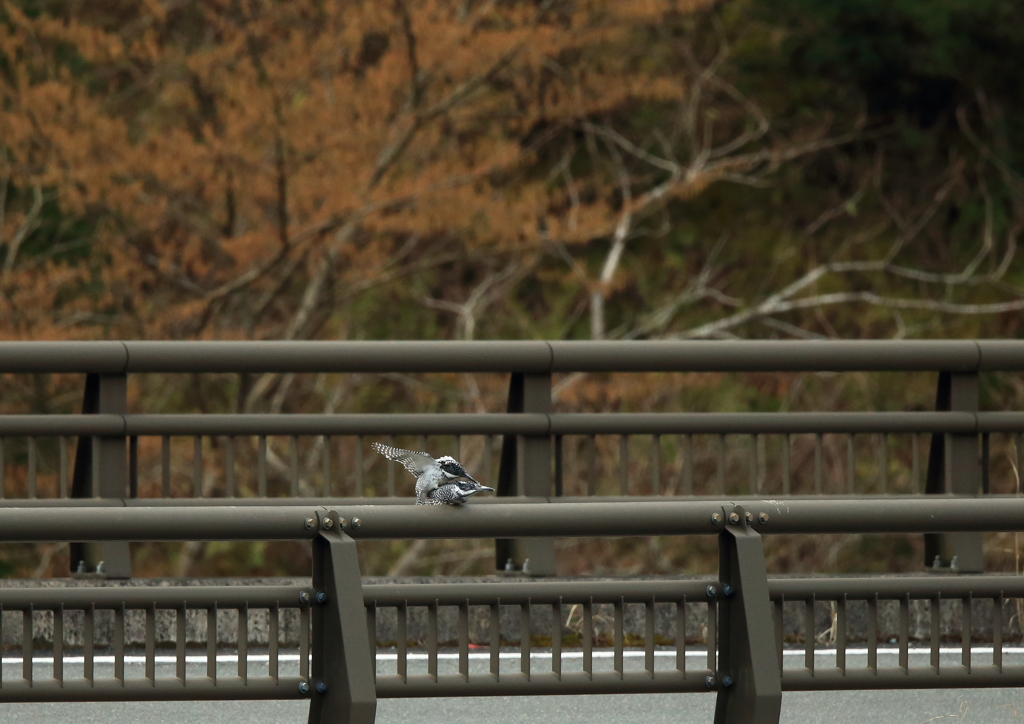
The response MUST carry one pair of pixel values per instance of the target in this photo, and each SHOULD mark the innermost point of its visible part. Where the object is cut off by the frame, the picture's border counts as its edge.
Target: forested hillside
(472, 169)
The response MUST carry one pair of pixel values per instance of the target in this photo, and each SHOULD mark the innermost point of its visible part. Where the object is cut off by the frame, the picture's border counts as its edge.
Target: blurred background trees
(476, 169)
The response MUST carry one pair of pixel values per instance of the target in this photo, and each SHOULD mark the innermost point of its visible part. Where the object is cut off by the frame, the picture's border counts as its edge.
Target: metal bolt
(328, 523)
(726, 681)
(304, 687)
(304, 596)
(762, 518)
(321, 597)
(716, 519)
(342, 523)
(711, 591)
(355, 523)
(310, 522)
(734, 518)
(728, 591)
(709, 681)
(321, 687)
(750, 517)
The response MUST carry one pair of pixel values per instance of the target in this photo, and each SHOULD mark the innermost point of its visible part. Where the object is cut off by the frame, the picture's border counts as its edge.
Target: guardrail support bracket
(746, 643)
(342, 670)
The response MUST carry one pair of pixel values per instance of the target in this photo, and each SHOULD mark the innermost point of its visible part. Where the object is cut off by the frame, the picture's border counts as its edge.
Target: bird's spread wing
(414, 462)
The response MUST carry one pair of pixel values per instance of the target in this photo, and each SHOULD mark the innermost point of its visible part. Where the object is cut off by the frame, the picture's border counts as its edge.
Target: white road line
(478, 655)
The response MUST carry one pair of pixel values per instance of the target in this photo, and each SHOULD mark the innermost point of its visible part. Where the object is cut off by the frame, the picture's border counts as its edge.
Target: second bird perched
(438, 482)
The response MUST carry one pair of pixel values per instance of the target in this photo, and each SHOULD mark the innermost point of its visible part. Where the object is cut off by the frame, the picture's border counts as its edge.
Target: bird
(438, 482)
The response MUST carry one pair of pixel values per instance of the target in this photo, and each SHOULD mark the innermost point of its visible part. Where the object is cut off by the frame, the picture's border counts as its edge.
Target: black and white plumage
(438, 482)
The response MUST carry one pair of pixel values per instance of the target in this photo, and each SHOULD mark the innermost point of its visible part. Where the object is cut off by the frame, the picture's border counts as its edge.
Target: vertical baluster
(883, 464)
(721, 465)
(624, 465)
(89, 648)
(588, 637)
(243, 642)
(431, 637)
(229, 466)
(359, 465)
(31, 467)
(712, 637)
(1, 640)
(986, 455)
(326, 485)
(391, 471)
(274, 636)
(1018, 439)
(211, 643)
(619, 607)
(150, 643)
(402, 613)
(817, 463)
(119, 643)
(841, 633)
(58, 644)
(62, 462)
(936, 616)
(873, 633)
(27, 649)
(649, 636)
(197, 466)
(753, 464)
(179, 642)
(371, 629)
(787, 473)
(556, 638)
(915, 465)
(524, 639)
(261, 466)
(997, 632)
(965, 632)
(591, 465)
(851, 467)
(687, 464)
(495, 638)
(904, 635)
(559, 467)
(489, 457)
(681, 636)
(464, 640)
(656, 464)
(3, 468)
(165, 466)
(779, 629)
(809, 634)
(293, 451)
(304, 641)
(133, 466)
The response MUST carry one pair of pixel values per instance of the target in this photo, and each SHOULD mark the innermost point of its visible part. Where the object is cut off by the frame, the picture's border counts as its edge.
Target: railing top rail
(501, 423)
(512, 356)
(513, 520)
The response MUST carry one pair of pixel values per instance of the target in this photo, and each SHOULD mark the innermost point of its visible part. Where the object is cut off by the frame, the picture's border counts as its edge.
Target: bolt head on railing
(328, 523)
(304, 687)
(711, 591)
(728, 591)
(716, 519)
(709, 681)
(727, 681)
(310, 522)
(750, 517)
(734, 518)
(321, 687)
(356, 523)
(762, 518)
(304, 596)
(321, 597)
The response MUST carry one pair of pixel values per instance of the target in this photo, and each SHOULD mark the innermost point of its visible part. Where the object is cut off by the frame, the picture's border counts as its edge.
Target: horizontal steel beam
(541, 683)
(199, 689)
(132, 597)
(921, 587)
(599, 423)
(861, 678)
(505, 356)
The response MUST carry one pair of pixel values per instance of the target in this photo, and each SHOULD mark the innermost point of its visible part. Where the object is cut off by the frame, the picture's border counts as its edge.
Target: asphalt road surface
(971, 706)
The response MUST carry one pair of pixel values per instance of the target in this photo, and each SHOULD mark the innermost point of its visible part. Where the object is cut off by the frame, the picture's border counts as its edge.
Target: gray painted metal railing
(738, 655)
(529, 450)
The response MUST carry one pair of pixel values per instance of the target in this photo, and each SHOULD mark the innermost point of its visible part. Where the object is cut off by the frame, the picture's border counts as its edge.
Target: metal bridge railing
(741, 652)
(527, 451)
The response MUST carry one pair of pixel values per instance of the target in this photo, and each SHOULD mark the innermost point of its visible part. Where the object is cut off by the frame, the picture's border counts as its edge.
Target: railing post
(749, 681)
(954, 468)
(527, 471)
(342, 689)
(101, 471)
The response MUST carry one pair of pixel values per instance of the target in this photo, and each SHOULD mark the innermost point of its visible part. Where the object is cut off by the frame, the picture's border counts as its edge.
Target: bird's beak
(485, 488)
